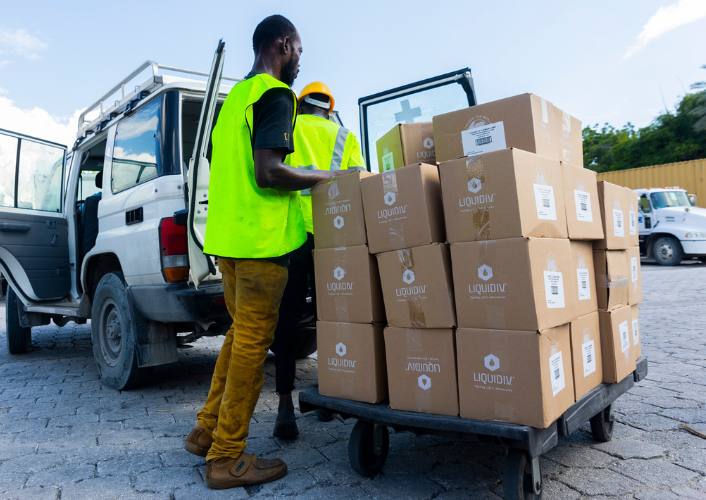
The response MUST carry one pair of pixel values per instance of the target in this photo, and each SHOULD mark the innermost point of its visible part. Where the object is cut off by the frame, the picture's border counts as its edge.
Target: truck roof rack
(131, 90)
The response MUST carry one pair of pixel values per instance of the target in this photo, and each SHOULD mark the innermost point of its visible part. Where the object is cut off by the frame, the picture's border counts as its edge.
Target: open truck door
(414, 102)
(201, 265)
(34, 250)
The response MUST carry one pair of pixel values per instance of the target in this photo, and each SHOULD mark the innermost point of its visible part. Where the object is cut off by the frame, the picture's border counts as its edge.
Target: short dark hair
(270, 29)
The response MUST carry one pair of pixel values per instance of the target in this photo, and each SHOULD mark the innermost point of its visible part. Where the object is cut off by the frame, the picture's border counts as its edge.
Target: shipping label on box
(351, 361)
(618, 357)
(504, 194)
(526, 122)
(347, 285)
(403, 208)
(515, 376)
(583, 282)
(586, 353)
(635, 282)
(416, 286)
(515, 284)
(613, 203)
(612, 277)
(635, 337)
(421, 367)
(583, 214)
(337, 210)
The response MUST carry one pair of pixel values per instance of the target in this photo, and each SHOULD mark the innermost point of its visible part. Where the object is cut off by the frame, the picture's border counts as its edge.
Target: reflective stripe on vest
(340, 145)
(245, 220)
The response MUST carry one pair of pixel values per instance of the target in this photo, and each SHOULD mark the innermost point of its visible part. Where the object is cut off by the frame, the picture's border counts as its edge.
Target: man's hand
(270, 172)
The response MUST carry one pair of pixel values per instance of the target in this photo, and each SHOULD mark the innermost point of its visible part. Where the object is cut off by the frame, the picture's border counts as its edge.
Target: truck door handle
(13, 227)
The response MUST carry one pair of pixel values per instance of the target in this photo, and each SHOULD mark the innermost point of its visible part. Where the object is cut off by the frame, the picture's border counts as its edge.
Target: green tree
(672, 136)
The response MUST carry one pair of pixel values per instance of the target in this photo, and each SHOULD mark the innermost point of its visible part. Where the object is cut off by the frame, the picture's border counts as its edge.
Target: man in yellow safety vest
(254, 223)
(322, 144)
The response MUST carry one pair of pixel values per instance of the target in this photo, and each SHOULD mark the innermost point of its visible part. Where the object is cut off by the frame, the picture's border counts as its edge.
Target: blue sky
(614, 61)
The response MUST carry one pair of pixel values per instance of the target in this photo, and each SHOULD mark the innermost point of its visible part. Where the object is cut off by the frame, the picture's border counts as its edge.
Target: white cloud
(38, 122)
(20, 43)
(667, 19)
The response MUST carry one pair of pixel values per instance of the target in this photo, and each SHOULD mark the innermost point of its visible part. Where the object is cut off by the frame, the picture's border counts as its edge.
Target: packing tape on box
(414, 304)
(495, 315)
(475, 181)
(607, 281)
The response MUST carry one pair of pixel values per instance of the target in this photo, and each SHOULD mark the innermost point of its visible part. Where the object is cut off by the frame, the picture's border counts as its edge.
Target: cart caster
(523, 476)
(602, 425)
(368, 447)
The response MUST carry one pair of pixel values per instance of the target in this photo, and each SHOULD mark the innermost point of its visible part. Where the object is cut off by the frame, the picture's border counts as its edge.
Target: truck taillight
(173, 249)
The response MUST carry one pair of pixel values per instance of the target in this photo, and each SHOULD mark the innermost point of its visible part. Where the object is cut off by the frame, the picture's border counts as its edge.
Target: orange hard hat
(318, 88)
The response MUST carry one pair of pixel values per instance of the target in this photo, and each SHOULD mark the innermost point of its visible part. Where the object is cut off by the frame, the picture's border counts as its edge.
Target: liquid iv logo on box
(340, 361)
(476, 199)
(489, 380)
(408, 278)
(428, 154)
(486, 287)
(339, 273)
(338, 222)
(485, 272)
(333, 191)
(389, 198)
(341, 349)
(339, 287)
(424, 382)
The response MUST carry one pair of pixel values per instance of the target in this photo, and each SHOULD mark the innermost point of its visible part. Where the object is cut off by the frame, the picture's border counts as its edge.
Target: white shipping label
(624, 340)
(483, 139)
(556, 375)
(633, 269)
(633, 222)
(388, 161)
(635, 332)
(618, 223)
(584, 284)
(544, 201)
(584, 213)
(554, 289)
(589, 357)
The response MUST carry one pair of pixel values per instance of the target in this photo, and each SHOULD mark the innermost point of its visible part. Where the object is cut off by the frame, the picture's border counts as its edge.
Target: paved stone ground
(64, 436)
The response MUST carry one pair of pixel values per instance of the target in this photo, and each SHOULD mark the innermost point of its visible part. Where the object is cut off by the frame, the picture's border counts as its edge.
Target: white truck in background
(671, 227)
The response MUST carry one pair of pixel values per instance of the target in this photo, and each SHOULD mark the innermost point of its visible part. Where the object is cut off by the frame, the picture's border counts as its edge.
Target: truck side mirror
(645, 204)
(692, 199)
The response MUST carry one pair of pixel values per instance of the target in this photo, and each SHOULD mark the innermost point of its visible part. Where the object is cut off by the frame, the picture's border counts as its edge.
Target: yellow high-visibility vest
(244, 220)
(323, 145)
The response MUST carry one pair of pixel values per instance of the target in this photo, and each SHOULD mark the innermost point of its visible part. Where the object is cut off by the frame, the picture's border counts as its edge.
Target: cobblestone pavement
(63, 435)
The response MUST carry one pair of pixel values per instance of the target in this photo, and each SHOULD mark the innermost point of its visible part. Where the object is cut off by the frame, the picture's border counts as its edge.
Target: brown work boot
(198, 441)
(246, 470)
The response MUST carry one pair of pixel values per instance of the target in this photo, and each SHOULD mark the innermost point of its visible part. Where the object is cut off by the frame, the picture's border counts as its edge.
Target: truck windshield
(664, 199)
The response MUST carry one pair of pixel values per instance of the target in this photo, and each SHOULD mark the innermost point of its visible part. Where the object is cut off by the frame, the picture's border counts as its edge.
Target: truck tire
(19, 338)
(667, 251)
(113, 327)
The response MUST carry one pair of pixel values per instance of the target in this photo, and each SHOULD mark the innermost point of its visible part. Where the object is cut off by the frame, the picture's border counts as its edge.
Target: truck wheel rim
(111, 333)
(666, 251)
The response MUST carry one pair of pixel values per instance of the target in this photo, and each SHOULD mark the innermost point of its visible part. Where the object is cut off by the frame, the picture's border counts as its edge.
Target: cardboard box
(351, 361)
(618, 358)
(404, 144)
(515, 376)
(583, 277)
(416, 287)
(635, 335)
(338, 211)
(614, 213)
(632, 205)
(504, 194)
(583, 213)
(421, 368)
(524, 121)
(513, 284)
(635, 284)
(347, 285)
(586, 353)
(612, 277)
(403, 208)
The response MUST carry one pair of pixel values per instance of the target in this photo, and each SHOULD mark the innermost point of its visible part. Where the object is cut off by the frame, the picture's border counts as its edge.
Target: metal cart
(369, 442)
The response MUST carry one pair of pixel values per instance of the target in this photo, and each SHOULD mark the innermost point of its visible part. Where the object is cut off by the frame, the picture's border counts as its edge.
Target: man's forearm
(293, 179)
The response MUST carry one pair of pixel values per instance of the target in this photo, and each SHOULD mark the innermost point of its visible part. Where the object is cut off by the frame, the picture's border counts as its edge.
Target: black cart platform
(369, 442)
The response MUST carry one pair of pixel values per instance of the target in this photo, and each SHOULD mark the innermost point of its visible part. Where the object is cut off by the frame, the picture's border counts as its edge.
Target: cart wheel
(368, 447)
(602, 425)
(517, 481)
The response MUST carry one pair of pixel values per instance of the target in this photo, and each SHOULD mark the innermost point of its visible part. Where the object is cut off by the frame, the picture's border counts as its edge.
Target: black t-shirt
(272, 121)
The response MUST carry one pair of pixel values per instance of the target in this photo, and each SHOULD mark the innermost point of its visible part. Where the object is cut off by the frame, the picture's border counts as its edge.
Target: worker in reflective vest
(254, 223)
(323, 144)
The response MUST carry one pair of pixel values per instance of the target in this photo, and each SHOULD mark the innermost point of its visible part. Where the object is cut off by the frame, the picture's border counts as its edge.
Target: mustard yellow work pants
(253, 290)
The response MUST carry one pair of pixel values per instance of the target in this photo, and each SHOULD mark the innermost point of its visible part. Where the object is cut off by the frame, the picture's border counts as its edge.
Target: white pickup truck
(671, 227)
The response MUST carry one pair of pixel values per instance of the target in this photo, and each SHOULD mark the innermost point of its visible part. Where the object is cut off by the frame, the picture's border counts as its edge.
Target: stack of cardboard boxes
(507, 290)
(351, 351)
